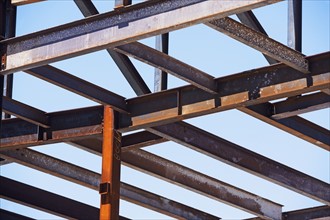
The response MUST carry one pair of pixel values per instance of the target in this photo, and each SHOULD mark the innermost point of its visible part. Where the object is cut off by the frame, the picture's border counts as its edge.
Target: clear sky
(207, 50)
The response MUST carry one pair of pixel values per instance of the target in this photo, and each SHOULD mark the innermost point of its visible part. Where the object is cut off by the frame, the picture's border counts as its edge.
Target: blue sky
(207, 50)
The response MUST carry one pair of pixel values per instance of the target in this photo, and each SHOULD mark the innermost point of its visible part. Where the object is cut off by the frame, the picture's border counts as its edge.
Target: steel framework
(301, 82)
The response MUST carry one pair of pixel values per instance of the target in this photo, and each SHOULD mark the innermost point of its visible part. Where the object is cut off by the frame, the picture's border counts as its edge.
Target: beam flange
(114, 28)
(169, 64)
(26, 112)
(260, 42)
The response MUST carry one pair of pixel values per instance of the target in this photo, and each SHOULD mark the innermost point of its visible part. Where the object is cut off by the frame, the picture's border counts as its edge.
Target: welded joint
(105, 192)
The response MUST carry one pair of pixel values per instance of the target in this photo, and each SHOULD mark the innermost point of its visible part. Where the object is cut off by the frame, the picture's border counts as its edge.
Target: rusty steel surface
(110, 176)
(301, 82)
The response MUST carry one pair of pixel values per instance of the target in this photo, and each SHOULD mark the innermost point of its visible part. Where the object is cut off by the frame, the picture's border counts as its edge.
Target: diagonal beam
(200, 183)
(4, 214)
(300, 104)
(26, 112)
(244, 159)
(90, 179)
(114, 28)
(169, 64)
(79, 86)
(260, 42)
(87, 8)
(46, 201)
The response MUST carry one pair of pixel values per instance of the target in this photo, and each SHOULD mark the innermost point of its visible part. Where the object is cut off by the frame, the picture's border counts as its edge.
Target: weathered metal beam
(316, 213)
(320, 212)
(10, 30)
(90, 179)
(79, 86)
(4, 214)
(249, 19)
(169, 64)
(46, 201)
(295, 24)
(260, 42)
(24, 2)
(160, 79)
(122, 3)
(87, 8)
(114, 28)
(200, 183)
(110, 175)
(64, 126)
(294, 125)
(264, 84)
(244, 159)
(300, 104)
(26, 112)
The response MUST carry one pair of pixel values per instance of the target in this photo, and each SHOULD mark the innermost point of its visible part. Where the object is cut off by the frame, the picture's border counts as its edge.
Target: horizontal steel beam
(79, 86)
(112, 29)
(260, 42)
(25, 112)
(294, 125)
(64, 126)
(300, 104)
(90, 179)
(238, 90)
(4, 214)
(169, 64)
(242, 158)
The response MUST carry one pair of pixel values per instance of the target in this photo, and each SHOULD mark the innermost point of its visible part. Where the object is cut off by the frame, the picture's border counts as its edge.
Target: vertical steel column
(295, 24)
(2, 36)
(161, 76)
(110, 179)
(122, 3)
(9, 31)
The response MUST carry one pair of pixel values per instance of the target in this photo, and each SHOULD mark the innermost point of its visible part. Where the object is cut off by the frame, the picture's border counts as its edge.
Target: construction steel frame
(99, 129)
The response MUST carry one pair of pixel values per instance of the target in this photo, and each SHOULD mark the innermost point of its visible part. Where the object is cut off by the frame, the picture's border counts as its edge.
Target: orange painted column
(110, 178)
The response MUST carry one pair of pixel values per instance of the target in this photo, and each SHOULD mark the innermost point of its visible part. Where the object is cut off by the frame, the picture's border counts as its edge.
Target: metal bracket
(104, 191)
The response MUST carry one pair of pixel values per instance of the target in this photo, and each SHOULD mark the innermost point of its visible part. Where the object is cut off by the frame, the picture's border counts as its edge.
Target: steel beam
(295, 24)
(45, 201)
(244, 159)
(10, 30)
(122, 3)
(111, 157)
(65, 126)
(200, 183)
(114, 28)
(160, 78)
(79, 86)
(294, 125)
(316, 213)
(4, 214)
(320, 212)
(249, 19)
(264, 84)
(169, 64)
(25, 112)
(260, 42)
(87, 8)
(90, 179)
(24, 2)
(300, 104)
